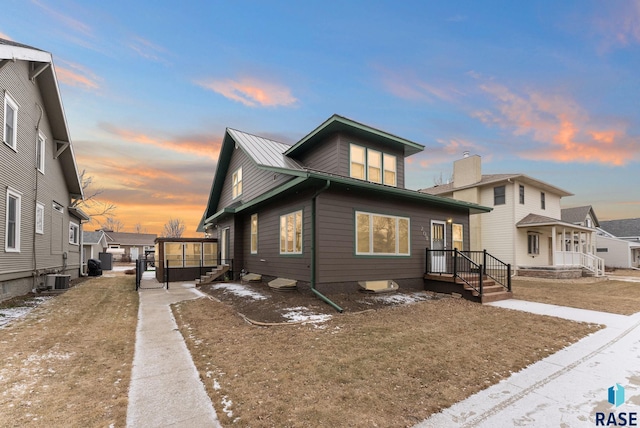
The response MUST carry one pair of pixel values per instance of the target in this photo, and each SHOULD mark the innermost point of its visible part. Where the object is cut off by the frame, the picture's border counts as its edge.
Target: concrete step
(495, 297)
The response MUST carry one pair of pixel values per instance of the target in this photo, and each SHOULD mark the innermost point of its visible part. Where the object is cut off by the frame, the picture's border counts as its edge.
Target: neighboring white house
(627, 230)
(127, 246)
(525, 227)
(40, 226)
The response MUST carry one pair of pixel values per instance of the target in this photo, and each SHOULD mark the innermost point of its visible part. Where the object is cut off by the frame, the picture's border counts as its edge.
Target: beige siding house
(524, 228)
(40, 230)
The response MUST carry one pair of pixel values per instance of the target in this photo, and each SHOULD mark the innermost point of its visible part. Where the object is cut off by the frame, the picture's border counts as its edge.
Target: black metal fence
(470, 266)
(142, 265)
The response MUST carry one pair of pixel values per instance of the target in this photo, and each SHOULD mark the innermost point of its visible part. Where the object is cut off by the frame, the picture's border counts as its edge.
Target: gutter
(313, 251)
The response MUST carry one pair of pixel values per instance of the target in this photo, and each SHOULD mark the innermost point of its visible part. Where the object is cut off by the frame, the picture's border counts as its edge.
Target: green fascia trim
(405, 193)
(219, 213)
(336, 118)
(287, 171)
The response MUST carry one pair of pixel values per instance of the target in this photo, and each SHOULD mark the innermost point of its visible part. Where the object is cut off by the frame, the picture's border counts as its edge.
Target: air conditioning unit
(58, 282)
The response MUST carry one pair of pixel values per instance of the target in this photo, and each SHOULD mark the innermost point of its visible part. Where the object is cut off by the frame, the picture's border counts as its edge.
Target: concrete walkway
(566, 389)
(165, 387)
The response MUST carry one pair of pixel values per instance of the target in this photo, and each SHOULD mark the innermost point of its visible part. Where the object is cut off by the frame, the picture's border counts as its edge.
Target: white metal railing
(574, 258)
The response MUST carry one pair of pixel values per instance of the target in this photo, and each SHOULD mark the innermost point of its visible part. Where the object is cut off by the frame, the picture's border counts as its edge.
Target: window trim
(388, 163)
(39, 216)
(9, 100)
(76, 235)
(379, 166)
(533, 243)
(364, 159)
(41, 141)
(453, 235)
(254, 232)
(521, 194)
(18, 221)
(504, 195)
(543, 201)
(386, 156)
(236, 183)
(285, 217)
(371, 251)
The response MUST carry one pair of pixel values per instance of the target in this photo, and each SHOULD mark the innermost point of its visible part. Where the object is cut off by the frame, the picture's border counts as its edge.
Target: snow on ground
(301, 313)
(240, 291)
(9, 314)
(402, 298)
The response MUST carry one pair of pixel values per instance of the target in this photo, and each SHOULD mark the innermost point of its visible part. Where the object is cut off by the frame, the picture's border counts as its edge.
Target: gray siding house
(329, 211)
(40, 230)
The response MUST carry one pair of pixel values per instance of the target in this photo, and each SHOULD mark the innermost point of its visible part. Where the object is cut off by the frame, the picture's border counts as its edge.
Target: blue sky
(545, 88)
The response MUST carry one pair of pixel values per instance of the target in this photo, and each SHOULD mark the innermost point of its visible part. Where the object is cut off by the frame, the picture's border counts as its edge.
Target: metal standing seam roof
(263, 151)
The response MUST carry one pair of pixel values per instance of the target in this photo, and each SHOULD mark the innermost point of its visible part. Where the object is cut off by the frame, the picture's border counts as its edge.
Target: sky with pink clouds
(545, 88)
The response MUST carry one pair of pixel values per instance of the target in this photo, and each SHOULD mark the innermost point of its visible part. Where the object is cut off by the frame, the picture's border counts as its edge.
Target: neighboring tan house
(330, 211)
(93, 243)
(627, 230)
(525, 228)
(40, 230)
(127, 246)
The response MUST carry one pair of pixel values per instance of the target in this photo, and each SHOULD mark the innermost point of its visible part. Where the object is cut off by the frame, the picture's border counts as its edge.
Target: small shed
(184, 259)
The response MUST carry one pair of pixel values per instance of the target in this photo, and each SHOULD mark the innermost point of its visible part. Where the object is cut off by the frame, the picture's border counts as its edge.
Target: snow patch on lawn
(240, 291)
(402, 299)
(304, 315)
(9, 314)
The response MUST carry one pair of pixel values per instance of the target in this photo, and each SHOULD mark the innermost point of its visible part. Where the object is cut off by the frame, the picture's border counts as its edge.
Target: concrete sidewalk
(565, 389)
(165, 387)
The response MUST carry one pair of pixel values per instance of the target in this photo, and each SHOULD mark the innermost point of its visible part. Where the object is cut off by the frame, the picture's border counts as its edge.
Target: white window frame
(353, 147)
(17, 223)
(39, 224)
(254, 234)
(457, 243)
(533, 244)
(380, 155)
(371, 251)
(74, 239)
(389, 165)
(9, 101)
(295, 219)
(236, 180)
(56, 206)
(40, 151)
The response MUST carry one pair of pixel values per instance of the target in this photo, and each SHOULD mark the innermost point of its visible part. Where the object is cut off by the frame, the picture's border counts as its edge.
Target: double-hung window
(254, 234)
(499, 197)
(543, 203)
(40, 152)
(372, 165)
(13, 218)
(74, 233)
(237, 183)
(378, 234)
(10, 127)
(521, 188)
(458, 236)
(533, 244)
(39, 218)
(291, 233)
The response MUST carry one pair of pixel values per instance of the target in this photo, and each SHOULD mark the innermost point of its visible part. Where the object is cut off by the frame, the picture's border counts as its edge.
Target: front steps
(213, 275)
(446, 283)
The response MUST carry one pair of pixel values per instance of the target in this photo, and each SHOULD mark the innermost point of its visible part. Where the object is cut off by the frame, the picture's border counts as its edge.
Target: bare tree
(113, 224)
(439, 180)
(138, 228)
(174, 228)
(93, 206)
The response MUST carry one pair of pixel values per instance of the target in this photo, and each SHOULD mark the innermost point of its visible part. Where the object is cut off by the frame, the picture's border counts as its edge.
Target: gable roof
(541, 220)
(489, 179)
(91, 238)
(578, 214)
(337, 123)
(628, 227)
(45, 77)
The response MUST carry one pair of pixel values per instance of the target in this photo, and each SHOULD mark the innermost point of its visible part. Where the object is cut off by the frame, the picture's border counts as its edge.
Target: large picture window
(291, 233)
(378, 234)
(237, 183)
(13, 219)
(10, 127)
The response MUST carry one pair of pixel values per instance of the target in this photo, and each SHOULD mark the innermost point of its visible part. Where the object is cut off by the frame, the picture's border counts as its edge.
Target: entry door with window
(438, 244)
(224, 246)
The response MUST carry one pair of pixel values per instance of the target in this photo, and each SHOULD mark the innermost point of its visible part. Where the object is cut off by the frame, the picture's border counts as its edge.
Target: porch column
(553, 245)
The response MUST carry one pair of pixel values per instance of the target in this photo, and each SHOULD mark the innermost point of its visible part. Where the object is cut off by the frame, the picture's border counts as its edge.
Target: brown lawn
(68, 363)
(611, 295)
(391, 367)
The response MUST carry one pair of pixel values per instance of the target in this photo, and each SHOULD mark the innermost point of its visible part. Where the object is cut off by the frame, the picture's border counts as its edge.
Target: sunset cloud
(147, 50)
(201, 145)
(65, 20)
(251, 92)
(76, 75)
(564, 130)
(619, 24)
(412, 88)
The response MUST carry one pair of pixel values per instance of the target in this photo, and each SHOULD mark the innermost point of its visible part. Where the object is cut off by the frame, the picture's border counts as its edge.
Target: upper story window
(543, 204)
(40, 152)
(10, 122)
(39, 218)
(237, 183)
(372, 165)
(74, 233)
(521, 194)
(13, 218)
(499, 197)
